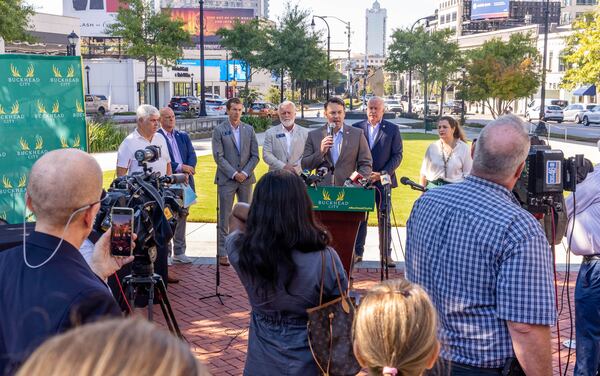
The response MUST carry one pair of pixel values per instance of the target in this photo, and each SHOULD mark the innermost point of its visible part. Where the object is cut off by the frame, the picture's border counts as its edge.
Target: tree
(247, 42)
(14, 20)
(500, 72)
(582, 52)
(149, 35)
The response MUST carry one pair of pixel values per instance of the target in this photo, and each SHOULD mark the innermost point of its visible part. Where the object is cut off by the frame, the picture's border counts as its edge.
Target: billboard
(41, 109)
(229, 70)
(489, 9)
(94, 15)
(214, 19)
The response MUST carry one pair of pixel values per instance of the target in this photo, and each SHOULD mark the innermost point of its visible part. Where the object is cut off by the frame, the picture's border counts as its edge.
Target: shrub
(104, 136)
(260, 124)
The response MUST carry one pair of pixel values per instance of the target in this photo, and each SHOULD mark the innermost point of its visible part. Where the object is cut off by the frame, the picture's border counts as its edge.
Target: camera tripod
(384, 232)
(150, 282)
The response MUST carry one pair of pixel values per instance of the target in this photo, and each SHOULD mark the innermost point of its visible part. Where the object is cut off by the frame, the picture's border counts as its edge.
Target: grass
(403, 197)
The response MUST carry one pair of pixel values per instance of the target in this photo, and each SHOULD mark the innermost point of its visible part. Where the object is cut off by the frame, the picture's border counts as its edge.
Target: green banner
(347, 199)
(41, 109)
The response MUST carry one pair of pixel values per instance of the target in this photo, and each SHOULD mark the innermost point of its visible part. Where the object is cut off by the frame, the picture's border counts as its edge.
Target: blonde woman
(394, 330)
(131, 347)
(449, 159)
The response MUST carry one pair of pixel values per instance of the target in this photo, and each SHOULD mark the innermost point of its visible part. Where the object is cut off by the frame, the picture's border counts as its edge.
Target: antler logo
(6, 183)
(56, 72)
(39, 142)
(2, 112)
(14, 109)
(78, 106)
(3, 216)
(55, 107)
(340, 196)
(24, 144)
(30, 71)
(326, 196)
(65, 144)
(70, 72)
(14, 71)
(22, 181)
(41, 108)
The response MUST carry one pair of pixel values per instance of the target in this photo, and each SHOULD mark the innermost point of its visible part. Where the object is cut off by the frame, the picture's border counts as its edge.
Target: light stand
(541, 127)
(328, 49)
(428, 18)
(202, 88)
(72, 43)
(87, 76)
(384, 220)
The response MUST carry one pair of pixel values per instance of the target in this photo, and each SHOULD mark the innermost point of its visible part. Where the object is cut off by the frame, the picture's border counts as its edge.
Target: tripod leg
(166, 305)
(150, 301)
(130, 293)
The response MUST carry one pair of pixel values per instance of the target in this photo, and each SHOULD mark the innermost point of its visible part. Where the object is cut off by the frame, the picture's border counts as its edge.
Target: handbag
(329, 329)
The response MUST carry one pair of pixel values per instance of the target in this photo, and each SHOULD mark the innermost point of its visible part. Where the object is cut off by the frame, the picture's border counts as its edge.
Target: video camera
(155, 205)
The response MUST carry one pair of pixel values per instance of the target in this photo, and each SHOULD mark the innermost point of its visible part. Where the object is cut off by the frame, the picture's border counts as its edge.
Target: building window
(454, 16)
(550, 57)
(562, 64)
(181, 88)
(586, 2)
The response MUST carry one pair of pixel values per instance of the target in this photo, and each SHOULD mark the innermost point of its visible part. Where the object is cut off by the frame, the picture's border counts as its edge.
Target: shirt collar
(484, 183)
(291, 130)
(374, 126)
(172, 133)
(50, 242)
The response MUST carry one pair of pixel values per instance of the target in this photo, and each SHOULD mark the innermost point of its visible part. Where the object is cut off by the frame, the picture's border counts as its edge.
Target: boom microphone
(417, 187)
(173, 179)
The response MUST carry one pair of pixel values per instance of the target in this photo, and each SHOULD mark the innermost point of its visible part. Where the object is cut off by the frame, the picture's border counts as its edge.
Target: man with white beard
(284, 143)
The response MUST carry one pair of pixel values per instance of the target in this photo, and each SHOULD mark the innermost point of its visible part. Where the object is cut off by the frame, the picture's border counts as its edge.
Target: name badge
(280, 135)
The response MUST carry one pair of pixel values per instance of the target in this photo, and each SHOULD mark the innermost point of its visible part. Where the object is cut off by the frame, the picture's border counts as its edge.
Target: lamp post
(541, 127)
(72, 39)
(328, 49)
(463, 70)
(192, 83)
(87, 78)
(427, 18)
(227, 74)
(349, 60)
(202, 88)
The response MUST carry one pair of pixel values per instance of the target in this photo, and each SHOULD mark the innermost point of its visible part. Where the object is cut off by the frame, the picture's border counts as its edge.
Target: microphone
(330, 129)
(417, 187)
(174, 179)
(385, 178)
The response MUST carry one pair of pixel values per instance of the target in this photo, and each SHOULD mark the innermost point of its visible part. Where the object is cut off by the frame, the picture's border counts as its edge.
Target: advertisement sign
(214, 19)
(235, 71)
(94, 15)
(41, 109)
(489, 9)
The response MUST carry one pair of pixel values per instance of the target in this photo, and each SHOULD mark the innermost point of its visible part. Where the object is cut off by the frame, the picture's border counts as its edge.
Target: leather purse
(329, 330)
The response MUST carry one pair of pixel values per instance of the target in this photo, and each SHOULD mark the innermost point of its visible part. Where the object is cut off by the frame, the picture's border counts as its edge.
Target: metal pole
(541, 127)
(282, 87)
(410, 70)
(425, 102)
(192, 88)
(87, 77)
(227, 74)
(202, 88)
(328, 51)
(157, 103)
(351, 87)
(462, 111)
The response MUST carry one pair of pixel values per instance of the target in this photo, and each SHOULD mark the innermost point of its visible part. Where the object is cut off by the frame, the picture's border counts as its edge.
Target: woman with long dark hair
(279, 259)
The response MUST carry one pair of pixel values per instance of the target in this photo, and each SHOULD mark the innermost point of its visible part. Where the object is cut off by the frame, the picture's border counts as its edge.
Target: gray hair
(146, 110)
(501, 147)
(376, 99)
(286, 103)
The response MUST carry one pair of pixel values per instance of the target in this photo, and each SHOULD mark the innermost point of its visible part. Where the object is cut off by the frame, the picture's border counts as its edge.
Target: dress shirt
(373, 130)
(584, 236)
(175, 148)
(135, 141)
(288, 137)
(336, 150)
(236, 136)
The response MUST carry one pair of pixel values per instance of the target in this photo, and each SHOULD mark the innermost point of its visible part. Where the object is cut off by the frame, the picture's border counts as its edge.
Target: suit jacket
(229, 160)
(186, 150)
(42, 302)
(275, 151)
(387, 148)
(355, 155)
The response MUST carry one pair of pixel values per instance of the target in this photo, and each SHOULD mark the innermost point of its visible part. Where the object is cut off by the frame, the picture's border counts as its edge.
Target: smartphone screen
(121, 231)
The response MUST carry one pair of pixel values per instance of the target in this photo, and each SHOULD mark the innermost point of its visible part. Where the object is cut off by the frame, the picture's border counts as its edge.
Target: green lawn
(403, 197)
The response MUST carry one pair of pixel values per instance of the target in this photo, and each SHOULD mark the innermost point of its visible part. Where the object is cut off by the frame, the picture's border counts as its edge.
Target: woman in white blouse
(449, 159)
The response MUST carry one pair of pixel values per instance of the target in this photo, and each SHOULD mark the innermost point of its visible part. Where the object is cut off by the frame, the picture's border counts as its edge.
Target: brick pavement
(218, 333)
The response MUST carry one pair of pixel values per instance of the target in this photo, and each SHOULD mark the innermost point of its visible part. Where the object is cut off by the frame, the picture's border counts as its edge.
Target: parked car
(550, 113)
(393, 105)
(216, 107)
(96, 104)
(263, 109)
(574, 112)
(591, 116)
(213, 96)
(454, 107)
(181, 104)
(432, 107)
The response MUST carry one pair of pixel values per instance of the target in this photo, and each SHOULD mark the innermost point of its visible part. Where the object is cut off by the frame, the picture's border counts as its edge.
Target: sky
(400, 13)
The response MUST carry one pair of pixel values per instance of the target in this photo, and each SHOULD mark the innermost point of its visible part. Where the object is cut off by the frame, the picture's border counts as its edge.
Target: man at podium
(339, 147)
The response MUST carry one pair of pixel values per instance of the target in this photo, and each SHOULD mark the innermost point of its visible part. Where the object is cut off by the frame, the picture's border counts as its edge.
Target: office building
(375, 30)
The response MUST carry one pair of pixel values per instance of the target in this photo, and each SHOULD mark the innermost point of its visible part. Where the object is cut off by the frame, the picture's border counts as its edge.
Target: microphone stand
(384, 218)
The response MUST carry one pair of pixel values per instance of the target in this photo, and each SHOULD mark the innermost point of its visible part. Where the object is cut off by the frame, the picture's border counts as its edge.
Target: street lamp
(349, 60)
(192, 88)
(202, 88)
(328, 48)
(541, 127)
(87, 78)
(72, 39)
(427, 18)
(463, 70)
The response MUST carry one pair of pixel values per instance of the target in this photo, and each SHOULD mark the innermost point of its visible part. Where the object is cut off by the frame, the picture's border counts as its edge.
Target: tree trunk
(302, 90)
(293, 87)
(246, 66)
(145, 81)
(443, 91)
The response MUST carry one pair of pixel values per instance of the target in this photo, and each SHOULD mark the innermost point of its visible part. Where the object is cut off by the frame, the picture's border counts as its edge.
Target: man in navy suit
(385, 143)
(46, 286)
(183, 160)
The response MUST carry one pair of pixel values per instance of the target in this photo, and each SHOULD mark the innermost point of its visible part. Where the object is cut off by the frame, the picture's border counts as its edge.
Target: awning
(585, 90)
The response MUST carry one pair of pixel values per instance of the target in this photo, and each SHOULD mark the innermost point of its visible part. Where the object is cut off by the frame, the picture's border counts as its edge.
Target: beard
(287, 123)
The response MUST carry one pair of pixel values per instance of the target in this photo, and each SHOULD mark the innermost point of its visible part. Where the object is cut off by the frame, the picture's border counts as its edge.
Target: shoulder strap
(322, 276)
(337, 274)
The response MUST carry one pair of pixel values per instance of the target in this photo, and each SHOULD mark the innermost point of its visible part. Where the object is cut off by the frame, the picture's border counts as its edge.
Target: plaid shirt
(484, 261)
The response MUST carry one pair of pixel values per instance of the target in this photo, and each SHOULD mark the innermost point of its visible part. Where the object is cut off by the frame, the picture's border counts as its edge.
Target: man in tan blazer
(344, 151)
(284, 143)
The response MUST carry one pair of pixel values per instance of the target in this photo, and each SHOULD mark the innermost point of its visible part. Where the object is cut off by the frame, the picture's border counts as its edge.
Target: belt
(591, 257)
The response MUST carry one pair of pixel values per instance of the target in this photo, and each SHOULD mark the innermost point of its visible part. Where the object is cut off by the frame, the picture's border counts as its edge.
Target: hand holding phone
(121, 232)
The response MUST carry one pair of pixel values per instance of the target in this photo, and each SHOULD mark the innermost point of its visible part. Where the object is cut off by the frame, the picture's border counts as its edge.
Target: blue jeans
(587, 319)
(359, 246)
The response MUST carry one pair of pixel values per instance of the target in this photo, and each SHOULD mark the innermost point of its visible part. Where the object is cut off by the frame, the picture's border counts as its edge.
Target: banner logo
(326, 196)
(333, 204)
(9, 116)
(65, 144)
(43, 113)
(55, 107)
(78, 114)
(6, 183)
(39, 143)
(26, 149)
(64, 80)
(3, 216)
(340, 196)
(78, 106)
(16, 77)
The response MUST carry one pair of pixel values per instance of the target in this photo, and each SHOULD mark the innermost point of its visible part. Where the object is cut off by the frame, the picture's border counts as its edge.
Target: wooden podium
(341, 209)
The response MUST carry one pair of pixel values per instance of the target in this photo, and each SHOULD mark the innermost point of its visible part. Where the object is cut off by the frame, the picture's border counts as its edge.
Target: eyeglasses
(103, 196)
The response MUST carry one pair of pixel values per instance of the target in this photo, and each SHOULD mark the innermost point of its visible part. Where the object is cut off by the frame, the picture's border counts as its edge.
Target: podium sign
(41, 109)
(342, 199)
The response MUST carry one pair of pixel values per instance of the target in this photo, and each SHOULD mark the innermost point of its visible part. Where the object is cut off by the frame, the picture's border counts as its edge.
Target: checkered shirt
(484, 261)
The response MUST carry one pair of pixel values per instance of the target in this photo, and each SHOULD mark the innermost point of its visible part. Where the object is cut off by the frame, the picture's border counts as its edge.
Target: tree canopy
(14, 20)
(583, 51)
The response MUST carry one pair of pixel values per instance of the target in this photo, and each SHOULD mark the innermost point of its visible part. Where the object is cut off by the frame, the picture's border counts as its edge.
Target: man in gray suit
(235, 151)
(284, 143)
(338, 146)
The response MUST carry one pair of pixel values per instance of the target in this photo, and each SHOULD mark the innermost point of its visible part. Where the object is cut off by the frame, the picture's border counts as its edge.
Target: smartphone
(121, 231)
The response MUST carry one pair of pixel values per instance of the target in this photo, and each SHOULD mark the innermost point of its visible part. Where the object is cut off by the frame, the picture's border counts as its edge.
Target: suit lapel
(345, 140)
(230, 130)
(378, 135)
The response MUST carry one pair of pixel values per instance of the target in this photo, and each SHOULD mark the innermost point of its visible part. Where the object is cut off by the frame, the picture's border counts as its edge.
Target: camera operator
(583, 207)
(47, 286)
(148, 122)
(485, 262)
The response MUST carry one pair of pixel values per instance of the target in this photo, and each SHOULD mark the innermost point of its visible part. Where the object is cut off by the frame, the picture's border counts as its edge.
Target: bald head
(61, 182)
(502, 146)
(167, 119)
